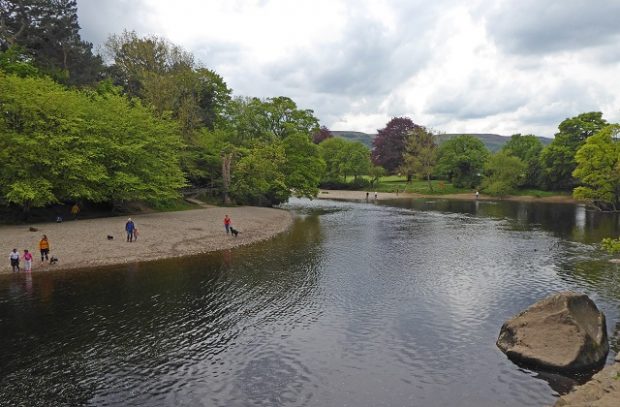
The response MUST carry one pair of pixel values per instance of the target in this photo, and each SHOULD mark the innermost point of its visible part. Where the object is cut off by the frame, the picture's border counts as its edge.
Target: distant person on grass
(44, 247)
(14, 257)
(27, 261)
(227, 223)
(129, 228)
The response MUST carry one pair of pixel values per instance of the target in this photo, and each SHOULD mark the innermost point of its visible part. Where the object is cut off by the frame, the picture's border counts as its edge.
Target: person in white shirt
(14, 257)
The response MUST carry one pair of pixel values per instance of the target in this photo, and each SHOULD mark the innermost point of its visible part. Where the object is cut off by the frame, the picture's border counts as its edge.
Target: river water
(359, 304)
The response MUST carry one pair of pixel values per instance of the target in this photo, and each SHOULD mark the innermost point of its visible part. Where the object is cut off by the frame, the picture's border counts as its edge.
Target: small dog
(234, 231)
(110, 237)
(53, 260)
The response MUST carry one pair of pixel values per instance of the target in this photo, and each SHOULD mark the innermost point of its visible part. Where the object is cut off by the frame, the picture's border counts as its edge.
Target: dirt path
(84, 243)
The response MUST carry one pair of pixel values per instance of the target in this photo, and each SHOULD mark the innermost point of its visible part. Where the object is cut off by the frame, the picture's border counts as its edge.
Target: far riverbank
(382, 196)
(84, 243)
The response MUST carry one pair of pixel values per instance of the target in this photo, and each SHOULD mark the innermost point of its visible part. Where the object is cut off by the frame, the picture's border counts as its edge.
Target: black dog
(110, 237)
(234, 231)
(53, 260)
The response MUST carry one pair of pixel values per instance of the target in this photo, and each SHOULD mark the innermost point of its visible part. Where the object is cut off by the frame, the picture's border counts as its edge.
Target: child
(14, 256)
(27, 261)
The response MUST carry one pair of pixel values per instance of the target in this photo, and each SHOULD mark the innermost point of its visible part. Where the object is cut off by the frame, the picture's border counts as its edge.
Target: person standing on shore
(27, 261)
(44, 247)
(375, 195)
(129, 228)
(75, 209)
(14, 257)
(227, 223)
(477, 195)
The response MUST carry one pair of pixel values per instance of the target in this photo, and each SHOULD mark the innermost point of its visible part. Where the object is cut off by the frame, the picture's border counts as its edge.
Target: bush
(355, 184)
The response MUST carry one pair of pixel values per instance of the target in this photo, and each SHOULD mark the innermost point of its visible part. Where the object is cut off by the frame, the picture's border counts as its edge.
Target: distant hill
(493, 142)
(365, 138)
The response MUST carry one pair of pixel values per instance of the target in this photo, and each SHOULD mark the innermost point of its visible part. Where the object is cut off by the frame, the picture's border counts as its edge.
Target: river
(397, 303)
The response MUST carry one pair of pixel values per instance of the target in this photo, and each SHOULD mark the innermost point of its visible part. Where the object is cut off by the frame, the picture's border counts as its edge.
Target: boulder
(564, 332)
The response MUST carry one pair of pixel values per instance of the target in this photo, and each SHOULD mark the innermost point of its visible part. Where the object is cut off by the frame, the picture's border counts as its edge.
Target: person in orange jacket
(44, 247)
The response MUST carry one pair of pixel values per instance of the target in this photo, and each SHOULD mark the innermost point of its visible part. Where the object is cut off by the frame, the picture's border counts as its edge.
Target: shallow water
(359, 304)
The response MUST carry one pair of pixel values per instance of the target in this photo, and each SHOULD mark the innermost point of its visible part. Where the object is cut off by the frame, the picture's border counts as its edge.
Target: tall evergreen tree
(48, 31)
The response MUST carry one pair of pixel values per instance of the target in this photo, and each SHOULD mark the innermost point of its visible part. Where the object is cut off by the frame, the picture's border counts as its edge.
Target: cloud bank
(505, 66)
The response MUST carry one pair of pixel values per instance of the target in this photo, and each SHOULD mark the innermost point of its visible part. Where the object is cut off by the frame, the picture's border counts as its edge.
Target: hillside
(365, 138)
(493, 142)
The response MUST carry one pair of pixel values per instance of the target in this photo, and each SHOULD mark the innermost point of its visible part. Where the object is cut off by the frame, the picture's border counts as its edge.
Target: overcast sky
(496, 66)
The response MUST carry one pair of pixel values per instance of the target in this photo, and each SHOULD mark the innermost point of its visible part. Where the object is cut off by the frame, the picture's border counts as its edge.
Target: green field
(392, 183)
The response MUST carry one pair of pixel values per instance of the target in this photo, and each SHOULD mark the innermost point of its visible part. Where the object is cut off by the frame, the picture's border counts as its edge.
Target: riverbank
(84, 243)
(603, 390)
(382, 196)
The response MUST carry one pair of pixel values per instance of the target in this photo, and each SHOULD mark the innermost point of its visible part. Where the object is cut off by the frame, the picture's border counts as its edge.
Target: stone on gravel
(564, 332)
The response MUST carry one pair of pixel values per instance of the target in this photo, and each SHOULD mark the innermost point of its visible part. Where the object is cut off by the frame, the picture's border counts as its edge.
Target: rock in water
(564, 332)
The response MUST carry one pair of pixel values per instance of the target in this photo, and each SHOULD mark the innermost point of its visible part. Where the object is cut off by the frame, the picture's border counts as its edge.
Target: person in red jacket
(227, 223)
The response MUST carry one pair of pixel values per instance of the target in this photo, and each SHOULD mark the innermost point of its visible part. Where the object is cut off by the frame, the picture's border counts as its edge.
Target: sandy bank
(361, 195)
(84, 243)
(603, 390)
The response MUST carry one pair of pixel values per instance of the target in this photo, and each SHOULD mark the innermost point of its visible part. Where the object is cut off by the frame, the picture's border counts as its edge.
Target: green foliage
(612, 246)
(15, 61)
(503, 174)
(258, 178)
(344, 158)
(527, 148)
(48, 33)
(420, 155)
(598, 169)
(558, 159)
(58, 145)
(461, 160)
(304, 166)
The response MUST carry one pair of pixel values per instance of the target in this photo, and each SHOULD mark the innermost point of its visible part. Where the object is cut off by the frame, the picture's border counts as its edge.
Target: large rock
(564, 332)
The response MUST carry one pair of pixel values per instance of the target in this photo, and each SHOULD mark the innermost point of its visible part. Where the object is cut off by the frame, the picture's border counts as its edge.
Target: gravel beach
(84, 243)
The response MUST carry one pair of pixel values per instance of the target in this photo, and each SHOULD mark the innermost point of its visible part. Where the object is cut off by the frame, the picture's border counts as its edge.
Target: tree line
(141, 127)
(584, 157)
(152, 121)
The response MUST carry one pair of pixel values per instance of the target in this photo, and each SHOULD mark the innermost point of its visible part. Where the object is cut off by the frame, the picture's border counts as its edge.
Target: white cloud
(505, 66)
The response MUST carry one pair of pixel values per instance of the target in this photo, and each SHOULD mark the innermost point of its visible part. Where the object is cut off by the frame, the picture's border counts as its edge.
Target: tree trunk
(430, 185)
(226, 161)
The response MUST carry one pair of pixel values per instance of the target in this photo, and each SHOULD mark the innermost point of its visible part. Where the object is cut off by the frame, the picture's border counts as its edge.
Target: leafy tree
(58, 145)
(344, 158)
(321, 134)
(258, 178)
(420, 155)
(503, 174)
(389, 144)
(376, 172)
(461, 160)
(304, 167)
(558, 158)
(598, 168)
(15, 61)
(48, 31)
(527, 148)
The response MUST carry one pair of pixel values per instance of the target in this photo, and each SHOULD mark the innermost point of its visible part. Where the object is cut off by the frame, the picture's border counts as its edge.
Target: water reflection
(358, 304)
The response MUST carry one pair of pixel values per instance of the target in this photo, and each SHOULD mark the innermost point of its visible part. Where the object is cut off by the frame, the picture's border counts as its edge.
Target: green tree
(598, 169)
(304, 167)
(48, 31)
(558, 158)
(527, 148)
(58, 144)
(344, 158)
(503, 173)
(420, 154)
(258, 178)
(461, 160)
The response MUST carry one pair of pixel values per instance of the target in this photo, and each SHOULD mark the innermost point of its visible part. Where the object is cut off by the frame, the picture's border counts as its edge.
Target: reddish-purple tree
(321, 134)
(389, 144)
